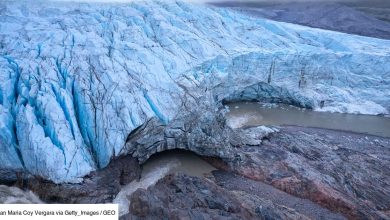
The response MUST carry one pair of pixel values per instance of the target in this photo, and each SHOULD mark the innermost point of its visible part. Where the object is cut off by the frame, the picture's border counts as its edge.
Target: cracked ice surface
(76, 79)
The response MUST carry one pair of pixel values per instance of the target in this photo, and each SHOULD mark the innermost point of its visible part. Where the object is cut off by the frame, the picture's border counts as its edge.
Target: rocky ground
(185, 197)
(361, 19)
(342, 171)
(270, 195)
(99, 187)
(233, 197)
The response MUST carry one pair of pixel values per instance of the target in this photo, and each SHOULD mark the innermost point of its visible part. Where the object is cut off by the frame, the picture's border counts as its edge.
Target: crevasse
(77, 78)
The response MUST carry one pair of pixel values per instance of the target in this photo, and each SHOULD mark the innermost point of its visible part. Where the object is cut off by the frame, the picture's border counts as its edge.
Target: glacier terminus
(76, 78)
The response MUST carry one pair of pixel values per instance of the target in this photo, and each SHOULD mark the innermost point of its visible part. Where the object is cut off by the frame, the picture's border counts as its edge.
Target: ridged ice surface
(76, 79)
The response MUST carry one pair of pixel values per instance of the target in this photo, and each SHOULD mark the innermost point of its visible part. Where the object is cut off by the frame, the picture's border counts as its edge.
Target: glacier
(76, 78)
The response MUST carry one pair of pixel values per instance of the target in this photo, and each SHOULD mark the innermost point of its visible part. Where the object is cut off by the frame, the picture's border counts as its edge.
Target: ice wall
(77, 78)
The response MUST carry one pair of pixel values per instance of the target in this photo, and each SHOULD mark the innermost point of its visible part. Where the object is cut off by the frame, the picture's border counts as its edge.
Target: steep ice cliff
(77, 79)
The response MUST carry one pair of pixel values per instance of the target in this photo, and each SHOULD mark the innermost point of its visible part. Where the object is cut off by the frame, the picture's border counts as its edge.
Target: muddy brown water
(254, 114)
(160, 165)
(244, 115)
(182, 161)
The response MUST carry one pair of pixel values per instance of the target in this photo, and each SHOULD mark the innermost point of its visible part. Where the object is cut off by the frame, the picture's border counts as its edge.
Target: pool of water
(183, 161)
(254, 114)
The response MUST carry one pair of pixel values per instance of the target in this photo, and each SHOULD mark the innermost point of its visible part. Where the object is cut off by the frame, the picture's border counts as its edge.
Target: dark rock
(202, 130)
(324, 15)
(267, 210)
(184, 197)
(140, 203)
(13, 177)
(344, 172)
(178, 196)
(99, 187)
(269, 202)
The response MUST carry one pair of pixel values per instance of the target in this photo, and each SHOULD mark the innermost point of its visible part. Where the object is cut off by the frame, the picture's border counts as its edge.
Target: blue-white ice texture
(77, 78)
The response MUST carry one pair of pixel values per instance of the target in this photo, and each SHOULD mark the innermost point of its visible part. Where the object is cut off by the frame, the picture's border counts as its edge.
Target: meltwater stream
(246, 115)
(253, 114)
(160, 165)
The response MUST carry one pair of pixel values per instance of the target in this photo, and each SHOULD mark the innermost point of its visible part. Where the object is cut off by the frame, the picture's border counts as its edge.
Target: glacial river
(244, 115)
(254, 114)
(160, 165)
